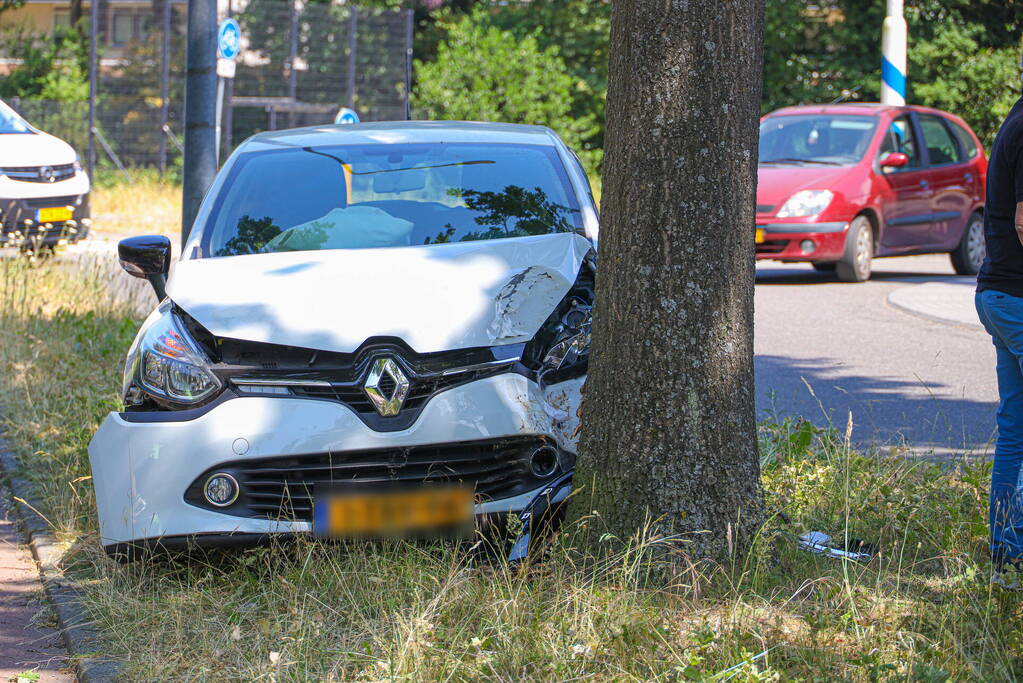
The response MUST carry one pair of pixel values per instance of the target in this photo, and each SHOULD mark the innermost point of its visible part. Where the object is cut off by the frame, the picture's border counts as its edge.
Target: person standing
(999, 302)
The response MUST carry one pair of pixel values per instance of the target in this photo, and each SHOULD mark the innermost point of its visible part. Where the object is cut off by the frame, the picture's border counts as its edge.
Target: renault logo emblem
(386, 386)
(47, 173)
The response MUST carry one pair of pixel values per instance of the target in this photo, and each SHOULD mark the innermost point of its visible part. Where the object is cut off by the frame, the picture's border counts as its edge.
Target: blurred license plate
(387, 513)
(54, 214)
(759, 236)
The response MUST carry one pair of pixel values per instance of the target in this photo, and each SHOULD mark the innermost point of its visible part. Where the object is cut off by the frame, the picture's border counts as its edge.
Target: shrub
(483, 73)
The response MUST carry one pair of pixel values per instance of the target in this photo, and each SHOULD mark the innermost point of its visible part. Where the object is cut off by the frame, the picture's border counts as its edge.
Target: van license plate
(399, 512)
(759, 236)
(55, 214)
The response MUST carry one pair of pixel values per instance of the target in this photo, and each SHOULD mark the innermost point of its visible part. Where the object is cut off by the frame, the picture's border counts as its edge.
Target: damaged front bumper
(149, 468)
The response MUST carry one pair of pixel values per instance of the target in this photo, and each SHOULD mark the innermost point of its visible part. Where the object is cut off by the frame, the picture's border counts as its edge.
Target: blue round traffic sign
(229, 39)
(346, 115)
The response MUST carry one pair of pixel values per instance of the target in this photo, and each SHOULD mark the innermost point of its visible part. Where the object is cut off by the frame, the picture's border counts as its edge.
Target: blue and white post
(893, 59)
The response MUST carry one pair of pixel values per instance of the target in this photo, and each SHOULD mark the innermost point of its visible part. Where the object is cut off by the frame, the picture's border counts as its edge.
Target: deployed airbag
(353, 227)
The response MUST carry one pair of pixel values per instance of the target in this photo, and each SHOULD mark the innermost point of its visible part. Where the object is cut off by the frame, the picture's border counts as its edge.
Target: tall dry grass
(146, 205)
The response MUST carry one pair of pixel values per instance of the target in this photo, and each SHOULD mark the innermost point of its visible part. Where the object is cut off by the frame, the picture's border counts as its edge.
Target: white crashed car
(372, 329)
(44, 193)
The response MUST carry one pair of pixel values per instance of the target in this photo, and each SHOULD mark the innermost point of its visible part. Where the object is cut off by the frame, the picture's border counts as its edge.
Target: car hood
(435, 298)
(34, 149)
(775, 184)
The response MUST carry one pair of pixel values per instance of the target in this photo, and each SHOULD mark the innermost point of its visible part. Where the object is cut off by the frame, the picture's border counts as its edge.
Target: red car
(841, 184)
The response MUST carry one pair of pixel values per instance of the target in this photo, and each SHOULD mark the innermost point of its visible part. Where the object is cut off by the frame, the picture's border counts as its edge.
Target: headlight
(77, 165)
(573, 343)
(166, 363)
(806, 203)
(561, 349)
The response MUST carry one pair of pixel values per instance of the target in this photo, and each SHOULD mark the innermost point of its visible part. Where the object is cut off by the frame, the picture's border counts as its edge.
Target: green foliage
(952, 71)
(485, 73)
(580, 30)
(52, 67)
(962, 54)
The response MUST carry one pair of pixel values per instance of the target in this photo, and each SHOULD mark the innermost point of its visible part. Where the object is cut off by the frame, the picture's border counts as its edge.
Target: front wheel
(968, 257)
(854, 266)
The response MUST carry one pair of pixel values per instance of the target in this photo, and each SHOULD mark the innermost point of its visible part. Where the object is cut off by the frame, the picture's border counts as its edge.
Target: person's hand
(1019, 222)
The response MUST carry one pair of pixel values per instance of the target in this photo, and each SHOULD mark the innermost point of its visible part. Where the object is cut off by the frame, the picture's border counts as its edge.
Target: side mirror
(894, 160)
(147, 257)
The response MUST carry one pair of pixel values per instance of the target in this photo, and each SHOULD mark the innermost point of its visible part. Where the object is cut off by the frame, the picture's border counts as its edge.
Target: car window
(941, 147)
(900, 138)
(10, 122)
(815, 138)
(966, 142)
(389, 195)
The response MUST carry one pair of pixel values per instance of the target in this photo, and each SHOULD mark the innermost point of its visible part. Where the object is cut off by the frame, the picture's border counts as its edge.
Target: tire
(822, 267)
(854, 266)
(968, 257)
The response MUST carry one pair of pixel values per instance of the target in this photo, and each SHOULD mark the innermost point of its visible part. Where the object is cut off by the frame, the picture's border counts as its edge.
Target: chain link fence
(299, 63)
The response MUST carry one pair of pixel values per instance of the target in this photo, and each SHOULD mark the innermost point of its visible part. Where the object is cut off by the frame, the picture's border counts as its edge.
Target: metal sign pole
(200, 94)
(220, 113)
(164, 83)
(893, 58)
(90, 160)
(353, 27)
(409, 24)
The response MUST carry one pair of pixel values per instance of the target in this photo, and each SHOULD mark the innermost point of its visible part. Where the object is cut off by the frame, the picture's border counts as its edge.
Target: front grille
(772, 246)
(39, 174)
(765, 208)
(282, 487)
(47, 202)
(421, 389)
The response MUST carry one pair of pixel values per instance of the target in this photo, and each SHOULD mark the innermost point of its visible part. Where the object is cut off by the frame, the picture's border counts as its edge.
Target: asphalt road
(825, 349)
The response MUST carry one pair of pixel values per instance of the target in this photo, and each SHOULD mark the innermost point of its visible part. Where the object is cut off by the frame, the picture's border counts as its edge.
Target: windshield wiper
(798, 160)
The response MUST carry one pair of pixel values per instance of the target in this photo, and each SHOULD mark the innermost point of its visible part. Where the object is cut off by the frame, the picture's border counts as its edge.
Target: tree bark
(669, 425)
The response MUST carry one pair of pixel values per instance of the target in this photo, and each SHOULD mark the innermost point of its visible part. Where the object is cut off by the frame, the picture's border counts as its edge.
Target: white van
(44, 193)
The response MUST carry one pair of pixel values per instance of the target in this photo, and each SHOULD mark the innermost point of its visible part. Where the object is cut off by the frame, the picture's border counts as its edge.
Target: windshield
(389, 195)
(11, 122)
(815, 139)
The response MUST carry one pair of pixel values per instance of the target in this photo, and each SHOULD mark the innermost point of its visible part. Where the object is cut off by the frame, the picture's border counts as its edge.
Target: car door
(906, 192)
(951, 177)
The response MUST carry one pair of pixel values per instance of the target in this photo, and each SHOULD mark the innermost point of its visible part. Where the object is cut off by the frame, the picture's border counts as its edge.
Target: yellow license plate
(759, 236)
(55, 214)
(392, 512)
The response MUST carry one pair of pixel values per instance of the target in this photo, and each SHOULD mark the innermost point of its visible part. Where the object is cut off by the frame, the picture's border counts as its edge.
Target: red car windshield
(815, 139)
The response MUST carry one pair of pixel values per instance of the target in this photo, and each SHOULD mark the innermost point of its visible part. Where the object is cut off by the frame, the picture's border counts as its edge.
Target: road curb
(80, 638)
(947, 303)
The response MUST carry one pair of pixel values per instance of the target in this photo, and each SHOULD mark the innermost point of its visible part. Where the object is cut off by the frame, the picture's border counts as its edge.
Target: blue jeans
(1002, 316)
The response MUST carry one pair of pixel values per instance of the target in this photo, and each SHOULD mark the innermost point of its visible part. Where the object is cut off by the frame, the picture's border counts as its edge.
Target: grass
(147, 205)
(599, 608)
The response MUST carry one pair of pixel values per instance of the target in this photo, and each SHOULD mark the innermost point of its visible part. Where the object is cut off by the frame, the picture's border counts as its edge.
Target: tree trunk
(669, 420)
(75, 15)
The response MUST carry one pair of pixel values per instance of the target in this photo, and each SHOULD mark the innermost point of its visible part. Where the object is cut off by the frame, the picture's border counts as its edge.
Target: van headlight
(166, 364)
(806, 203)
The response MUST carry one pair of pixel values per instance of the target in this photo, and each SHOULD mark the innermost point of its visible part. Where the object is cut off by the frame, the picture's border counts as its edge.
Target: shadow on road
(885, 411)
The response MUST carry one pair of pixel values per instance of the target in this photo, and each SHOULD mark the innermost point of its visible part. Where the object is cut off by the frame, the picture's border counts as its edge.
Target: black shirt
(1003, 266)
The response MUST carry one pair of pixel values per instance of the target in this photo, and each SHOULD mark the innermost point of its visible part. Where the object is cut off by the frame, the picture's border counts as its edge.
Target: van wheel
(854, 266)
(968, 257)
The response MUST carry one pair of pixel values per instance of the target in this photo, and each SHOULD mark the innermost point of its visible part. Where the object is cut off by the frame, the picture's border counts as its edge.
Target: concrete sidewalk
(948, 301)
